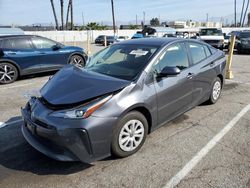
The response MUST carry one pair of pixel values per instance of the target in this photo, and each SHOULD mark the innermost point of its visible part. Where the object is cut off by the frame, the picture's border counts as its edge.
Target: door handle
(42, 53)
(190, 76)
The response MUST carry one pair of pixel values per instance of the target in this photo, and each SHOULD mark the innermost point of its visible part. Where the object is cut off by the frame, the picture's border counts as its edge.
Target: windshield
(121, 61)
(211, 32)
(245, 35)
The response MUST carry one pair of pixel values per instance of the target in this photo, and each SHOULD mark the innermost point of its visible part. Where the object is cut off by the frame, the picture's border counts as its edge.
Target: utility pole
(82, 19)
(235, 19)
(113, 16)
(136, 19)
(207, 17)
(144, 17)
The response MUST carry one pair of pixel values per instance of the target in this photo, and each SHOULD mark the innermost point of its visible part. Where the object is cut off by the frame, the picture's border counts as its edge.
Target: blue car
(28, 54)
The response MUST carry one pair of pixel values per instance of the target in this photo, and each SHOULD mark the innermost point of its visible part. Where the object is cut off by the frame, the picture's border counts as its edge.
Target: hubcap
(216, 90)
(7, 73)
(77, 61)
(131, 135)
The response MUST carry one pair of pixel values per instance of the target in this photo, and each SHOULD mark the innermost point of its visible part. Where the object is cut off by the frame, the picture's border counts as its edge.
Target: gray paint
(164, 98)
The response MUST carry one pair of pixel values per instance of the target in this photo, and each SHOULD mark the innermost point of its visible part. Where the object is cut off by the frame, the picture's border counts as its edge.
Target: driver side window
(174, 56)
(42, 43)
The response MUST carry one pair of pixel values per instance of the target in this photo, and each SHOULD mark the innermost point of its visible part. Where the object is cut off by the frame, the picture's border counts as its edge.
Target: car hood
(245, 39)
(73, 85)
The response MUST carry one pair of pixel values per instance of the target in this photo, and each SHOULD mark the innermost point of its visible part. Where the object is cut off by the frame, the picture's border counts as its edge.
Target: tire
(120, 148)
(77, 60)
(215, 91)
(239, 50)
(8, 73)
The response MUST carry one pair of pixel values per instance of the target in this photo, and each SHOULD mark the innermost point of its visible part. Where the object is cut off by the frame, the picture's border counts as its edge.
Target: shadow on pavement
(17, 154)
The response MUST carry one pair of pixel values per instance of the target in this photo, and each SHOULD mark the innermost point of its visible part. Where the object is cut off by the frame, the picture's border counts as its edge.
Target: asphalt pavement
(181, 147)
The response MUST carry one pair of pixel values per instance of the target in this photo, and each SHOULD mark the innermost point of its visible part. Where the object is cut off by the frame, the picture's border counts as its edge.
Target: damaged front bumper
(68, 140)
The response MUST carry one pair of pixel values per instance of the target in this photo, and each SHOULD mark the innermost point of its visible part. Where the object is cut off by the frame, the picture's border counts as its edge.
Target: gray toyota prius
(125, 92)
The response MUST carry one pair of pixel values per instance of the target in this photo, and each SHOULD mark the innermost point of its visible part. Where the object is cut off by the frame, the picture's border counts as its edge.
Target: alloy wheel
(8, 73)
(131, 135)
(216, 90)
(77, 61)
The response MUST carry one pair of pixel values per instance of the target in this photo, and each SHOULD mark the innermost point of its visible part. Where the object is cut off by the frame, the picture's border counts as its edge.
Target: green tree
(133, 27)
(96, 26)
(154, 22)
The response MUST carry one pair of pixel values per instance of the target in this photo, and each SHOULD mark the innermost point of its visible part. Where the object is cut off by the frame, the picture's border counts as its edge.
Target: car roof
(152, 41)
(14, 36)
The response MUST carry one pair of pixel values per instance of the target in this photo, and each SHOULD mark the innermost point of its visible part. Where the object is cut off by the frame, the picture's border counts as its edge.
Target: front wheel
(129, 135)
(216, 91)
(8, 73)
(77, 60)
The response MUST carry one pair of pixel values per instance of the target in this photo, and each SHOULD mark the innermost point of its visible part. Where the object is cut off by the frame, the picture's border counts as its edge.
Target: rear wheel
(77, 60)
(8, 73)
(129, 135)
(216, 91)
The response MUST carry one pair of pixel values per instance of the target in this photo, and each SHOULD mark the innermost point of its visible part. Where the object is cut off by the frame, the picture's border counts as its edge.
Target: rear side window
(197, 52)
(208, 52)
(16, 43)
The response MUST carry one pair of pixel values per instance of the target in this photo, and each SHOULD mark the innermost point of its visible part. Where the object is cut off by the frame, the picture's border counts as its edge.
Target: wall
(71, 36)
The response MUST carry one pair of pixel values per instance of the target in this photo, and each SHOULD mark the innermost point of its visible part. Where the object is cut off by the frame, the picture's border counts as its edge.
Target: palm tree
(245, 13)
(72, 21)
(242, 12)
(54, 13)
(67, 16)
(61, 2)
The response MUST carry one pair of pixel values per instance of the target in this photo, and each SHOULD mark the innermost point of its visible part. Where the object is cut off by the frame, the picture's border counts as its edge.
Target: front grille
(211, 41)
(44, 125)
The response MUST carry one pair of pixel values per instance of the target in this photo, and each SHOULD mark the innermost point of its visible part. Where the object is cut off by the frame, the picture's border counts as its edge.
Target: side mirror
(56, 47)
(1, 53)
(169, 71)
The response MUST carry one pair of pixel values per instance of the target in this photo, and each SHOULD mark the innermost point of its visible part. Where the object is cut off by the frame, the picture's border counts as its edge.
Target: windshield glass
(245, 35)
(121, 61)
(213, 32)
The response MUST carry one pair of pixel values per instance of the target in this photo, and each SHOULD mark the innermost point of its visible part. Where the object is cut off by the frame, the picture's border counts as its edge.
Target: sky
(26, 12)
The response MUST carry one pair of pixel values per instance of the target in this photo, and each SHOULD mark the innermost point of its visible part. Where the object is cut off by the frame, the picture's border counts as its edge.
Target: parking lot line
(21, 85)
(204, 151)
(2, 124)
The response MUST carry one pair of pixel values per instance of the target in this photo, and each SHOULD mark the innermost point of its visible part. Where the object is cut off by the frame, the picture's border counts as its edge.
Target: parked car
(125, 92)
(122, 38)
(242, 43)
(110, 40)
(170, 35)
(137, 36)
(212, 36)
(226, 41)
(28, 54)
(99, 39)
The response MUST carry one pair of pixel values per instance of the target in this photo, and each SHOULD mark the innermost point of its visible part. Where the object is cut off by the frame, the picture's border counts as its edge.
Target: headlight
(84, 111)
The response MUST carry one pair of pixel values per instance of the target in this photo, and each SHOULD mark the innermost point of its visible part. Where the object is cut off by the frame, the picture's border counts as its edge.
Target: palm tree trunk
(245, 13)
(72, 21)
(242, 12)
(67, 16)
(61, 2)
(54, 13)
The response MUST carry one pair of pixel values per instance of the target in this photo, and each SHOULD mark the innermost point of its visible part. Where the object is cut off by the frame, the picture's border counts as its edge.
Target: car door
(203, 67)
(52, 56)
(174, 93)
(21, 51)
